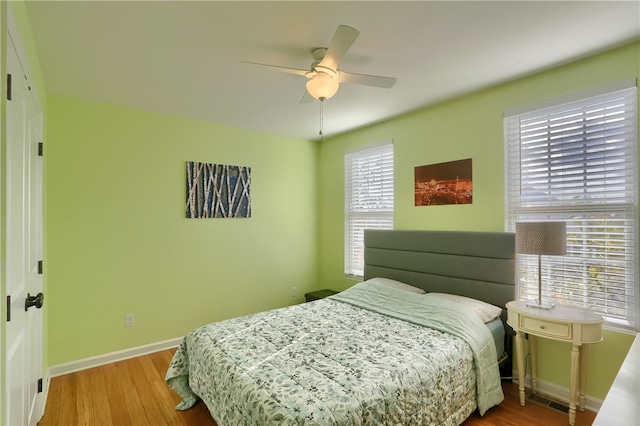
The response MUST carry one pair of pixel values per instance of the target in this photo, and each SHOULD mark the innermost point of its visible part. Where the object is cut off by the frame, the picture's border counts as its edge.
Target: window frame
(368, 200)
(549, 207)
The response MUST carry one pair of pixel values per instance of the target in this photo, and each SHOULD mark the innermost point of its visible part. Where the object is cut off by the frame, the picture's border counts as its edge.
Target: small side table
(319, 294)
(563, 323)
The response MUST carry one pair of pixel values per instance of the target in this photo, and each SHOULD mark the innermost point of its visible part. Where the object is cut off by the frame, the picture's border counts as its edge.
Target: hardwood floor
(133, 393)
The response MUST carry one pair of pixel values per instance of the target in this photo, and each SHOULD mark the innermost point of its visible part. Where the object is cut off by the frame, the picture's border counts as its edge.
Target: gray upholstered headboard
(480, 265)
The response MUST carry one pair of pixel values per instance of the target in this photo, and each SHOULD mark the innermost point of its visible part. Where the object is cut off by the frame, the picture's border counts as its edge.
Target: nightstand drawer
(545, 328)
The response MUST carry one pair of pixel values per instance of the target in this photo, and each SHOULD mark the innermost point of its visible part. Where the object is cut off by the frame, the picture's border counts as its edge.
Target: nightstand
(563, 323)
(319, 294)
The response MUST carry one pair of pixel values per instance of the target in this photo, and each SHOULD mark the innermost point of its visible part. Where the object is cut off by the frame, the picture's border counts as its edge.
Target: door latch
(36, 301)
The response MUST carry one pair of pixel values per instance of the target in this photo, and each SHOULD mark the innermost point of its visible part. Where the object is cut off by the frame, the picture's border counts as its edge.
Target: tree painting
(217, 190)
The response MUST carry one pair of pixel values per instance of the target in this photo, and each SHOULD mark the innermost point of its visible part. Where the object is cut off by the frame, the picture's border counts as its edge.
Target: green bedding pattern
(441, 315)
(361, 357)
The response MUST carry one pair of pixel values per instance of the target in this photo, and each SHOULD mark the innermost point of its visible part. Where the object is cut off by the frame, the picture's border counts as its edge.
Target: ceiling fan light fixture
(322, 86)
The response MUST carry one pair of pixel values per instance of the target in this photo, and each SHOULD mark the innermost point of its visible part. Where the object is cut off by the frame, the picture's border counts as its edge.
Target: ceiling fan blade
(341, 42)
(306, 98)
(279, 68)
(367, 80)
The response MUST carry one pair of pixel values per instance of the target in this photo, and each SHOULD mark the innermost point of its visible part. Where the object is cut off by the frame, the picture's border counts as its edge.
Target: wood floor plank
(150, 400)
(84, 398)
(119, 411)
(161, 360)
(510, 413)
(134, 404)
(68, 413)
(147, 367)
(198, 415)
(170, 399)
(166, 403)
(133, 393)
(117, 402)
(54, 396)
(101, 409)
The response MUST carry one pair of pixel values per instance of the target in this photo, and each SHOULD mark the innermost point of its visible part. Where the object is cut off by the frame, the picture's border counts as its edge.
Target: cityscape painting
(218, 190)
(444, 183)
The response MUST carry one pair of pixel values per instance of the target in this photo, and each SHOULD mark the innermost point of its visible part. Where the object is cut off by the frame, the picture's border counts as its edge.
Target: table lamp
(541, 238)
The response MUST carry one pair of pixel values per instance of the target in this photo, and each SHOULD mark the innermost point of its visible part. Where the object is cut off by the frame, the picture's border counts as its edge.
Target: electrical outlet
(129, 320)
(294, 291)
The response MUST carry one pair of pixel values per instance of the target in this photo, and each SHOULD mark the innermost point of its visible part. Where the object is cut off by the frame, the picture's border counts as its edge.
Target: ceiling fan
(324, 76)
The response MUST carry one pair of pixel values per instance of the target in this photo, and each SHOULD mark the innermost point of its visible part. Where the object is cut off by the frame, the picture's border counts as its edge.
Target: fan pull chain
(321, 118)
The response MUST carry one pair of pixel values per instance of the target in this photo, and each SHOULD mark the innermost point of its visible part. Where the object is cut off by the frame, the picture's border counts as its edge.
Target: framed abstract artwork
(218, 190)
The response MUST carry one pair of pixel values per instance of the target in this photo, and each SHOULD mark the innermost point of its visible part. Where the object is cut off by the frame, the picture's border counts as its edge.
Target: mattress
(496, 327)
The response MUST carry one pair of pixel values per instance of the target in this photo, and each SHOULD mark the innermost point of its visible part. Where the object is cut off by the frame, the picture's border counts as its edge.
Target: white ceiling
(184, 58)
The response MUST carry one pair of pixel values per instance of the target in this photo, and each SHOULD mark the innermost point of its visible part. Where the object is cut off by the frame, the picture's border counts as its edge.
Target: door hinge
(40, 149)
(40, 385)
(39, 267)
(8, 308)
(8, 87)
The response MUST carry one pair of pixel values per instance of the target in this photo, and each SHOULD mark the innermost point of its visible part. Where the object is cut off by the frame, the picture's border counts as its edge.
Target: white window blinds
(577, 162)
(368, 201)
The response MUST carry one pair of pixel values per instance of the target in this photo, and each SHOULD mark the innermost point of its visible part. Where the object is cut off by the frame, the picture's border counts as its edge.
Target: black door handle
(36, 301)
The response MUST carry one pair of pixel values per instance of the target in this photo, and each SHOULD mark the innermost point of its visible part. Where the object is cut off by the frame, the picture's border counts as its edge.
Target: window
(368, 202)
(575, 159)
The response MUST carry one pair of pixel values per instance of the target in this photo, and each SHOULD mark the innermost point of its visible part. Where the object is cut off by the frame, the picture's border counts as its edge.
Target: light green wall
(119, 242)
(469, 127)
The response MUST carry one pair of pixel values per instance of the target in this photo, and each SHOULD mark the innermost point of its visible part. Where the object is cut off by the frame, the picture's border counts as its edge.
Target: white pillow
(395, 284)
(486, 311)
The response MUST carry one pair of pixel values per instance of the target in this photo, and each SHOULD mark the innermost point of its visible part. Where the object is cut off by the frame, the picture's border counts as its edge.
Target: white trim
(14, 38)
(44, 396)
(96, 361)
(559, 393)
(626, 329)
(573, 97)
(369, 146)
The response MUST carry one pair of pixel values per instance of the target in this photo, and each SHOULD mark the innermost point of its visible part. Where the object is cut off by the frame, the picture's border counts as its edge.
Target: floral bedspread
(331, 362)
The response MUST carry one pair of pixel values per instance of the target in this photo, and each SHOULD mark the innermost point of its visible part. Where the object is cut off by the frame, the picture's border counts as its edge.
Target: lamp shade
(322, 86)
(542, 238)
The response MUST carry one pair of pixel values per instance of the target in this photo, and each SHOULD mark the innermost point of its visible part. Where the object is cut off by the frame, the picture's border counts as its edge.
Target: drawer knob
(542, 327)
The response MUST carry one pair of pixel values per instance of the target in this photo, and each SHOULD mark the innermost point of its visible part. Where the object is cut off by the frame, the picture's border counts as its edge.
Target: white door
(23, 327)
(34, 261)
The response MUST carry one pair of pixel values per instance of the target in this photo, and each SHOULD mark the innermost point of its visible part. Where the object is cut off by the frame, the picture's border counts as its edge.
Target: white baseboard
(559, 393)
(96, 361)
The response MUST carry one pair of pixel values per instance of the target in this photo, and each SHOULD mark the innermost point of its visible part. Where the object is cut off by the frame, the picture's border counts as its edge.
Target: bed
(392, 350)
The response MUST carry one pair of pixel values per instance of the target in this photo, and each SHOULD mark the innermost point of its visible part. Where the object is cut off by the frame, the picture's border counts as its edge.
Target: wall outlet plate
(129, 320)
